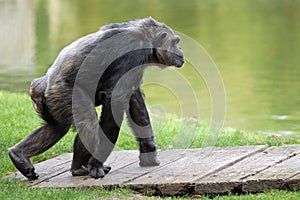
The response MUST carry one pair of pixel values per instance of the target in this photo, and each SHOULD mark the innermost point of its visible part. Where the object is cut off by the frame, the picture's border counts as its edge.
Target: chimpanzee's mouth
(181, 62)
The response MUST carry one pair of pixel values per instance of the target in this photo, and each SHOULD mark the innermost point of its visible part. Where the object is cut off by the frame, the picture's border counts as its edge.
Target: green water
(255, 45)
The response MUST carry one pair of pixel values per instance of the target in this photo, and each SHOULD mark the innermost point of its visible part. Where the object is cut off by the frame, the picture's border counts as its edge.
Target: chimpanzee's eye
(176, 40)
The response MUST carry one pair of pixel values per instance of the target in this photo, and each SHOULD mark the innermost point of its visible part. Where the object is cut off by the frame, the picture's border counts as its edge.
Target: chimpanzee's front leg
(139, 121)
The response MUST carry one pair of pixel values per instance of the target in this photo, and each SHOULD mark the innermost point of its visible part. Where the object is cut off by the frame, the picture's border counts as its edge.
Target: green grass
(18, 119)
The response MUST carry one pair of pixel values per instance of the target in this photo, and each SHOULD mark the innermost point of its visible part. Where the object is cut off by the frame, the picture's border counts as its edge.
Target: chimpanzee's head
(164, 41)
(166, 50)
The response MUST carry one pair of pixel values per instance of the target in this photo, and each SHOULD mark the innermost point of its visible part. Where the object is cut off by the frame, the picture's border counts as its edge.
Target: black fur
(52, 96)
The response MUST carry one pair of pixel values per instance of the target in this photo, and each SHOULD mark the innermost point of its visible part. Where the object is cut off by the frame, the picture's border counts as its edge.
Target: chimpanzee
(137, 44)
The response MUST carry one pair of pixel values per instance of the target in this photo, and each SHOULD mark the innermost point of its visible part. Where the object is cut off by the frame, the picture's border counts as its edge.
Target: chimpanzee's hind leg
(85, 162)
(36, 143)
(139, 121)
(81, 156)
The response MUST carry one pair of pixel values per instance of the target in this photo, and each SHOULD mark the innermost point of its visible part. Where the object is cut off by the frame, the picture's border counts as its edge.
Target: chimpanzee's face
(168, 51)
(175, 54)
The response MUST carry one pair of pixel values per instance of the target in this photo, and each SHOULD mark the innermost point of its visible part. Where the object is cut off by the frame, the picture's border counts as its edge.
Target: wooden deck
(198, 171)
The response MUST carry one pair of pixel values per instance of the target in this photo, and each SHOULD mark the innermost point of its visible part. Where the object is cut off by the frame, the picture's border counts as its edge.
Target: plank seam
(160, 167)
(263, 148)
(294, 175)
(268, 167)
(52, 176)
(47, 179)
(120, 168)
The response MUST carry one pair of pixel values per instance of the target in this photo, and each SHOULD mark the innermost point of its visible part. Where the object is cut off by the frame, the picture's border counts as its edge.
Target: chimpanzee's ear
(160, 39)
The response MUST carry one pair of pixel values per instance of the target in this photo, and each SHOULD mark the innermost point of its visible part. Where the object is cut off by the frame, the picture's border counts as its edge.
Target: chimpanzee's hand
(148, 159)
(148, 152)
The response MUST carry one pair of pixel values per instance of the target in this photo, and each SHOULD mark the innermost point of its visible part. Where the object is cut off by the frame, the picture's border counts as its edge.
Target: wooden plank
(178, 177)
(231, 179)
(117, 160)
(49, 168)
(120, 177)
(127, 171)
(274, 177)
(205, 170)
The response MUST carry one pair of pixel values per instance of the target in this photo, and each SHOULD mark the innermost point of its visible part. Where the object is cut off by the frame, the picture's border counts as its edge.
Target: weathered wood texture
(199, 171)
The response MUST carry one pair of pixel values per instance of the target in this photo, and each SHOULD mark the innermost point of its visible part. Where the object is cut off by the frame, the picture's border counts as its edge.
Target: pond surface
(254, 44)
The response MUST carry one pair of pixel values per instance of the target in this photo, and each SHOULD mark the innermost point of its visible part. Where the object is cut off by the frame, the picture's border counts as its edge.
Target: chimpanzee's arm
(138, 116)
(139, 121)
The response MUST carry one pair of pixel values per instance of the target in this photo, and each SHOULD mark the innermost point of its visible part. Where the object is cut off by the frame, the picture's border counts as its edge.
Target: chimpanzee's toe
(106, 169)
(97, 172)
(32, 176)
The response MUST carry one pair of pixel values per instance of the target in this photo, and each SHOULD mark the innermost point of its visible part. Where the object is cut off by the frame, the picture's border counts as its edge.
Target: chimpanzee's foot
(97, 171)
(22, 164)
(79, 172)
(93, 171)
(148, 153)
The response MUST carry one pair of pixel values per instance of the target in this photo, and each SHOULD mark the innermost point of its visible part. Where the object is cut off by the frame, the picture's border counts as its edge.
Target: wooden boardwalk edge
(210, 170)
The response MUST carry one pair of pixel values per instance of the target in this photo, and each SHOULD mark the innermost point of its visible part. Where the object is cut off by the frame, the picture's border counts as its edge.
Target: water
(255, 45)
